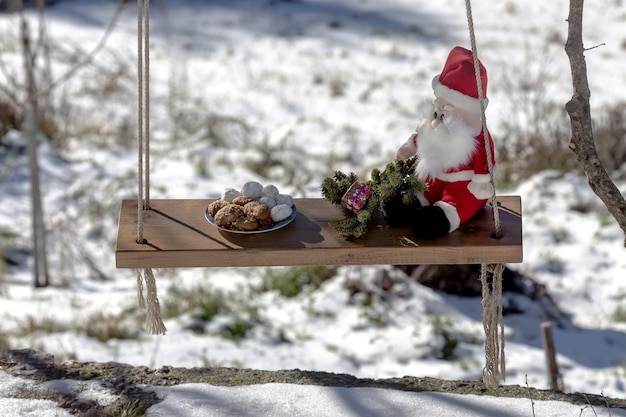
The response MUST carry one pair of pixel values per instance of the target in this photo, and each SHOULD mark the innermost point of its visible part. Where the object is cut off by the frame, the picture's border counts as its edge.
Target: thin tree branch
(578, 108)
(87, 59)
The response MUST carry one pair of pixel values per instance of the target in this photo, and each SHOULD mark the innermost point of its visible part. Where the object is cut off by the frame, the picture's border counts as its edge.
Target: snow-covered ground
(317, 85)
(287, 400)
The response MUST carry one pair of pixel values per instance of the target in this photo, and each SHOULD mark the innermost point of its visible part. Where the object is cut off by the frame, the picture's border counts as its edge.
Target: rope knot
(495, 269)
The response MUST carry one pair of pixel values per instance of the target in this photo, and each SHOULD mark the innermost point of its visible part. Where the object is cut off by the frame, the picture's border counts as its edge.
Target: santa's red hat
(457, 81)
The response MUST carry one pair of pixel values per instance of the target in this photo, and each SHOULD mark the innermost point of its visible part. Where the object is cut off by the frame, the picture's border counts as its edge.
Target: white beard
(449, 145)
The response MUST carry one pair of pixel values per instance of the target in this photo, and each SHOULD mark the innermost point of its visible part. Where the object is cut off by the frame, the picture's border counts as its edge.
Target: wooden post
(548, 345)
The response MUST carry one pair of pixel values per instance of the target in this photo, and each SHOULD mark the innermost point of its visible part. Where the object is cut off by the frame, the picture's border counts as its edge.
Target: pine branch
(397, 178)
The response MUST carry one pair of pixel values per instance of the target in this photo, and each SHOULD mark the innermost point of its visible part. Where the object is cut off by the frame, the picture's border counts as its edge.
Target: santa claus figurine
(450, 146)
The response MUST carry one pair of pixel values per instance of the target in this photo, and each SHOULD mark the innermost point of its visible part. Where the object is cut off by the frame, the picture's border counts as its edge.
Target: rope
(141, 301)
(140, 119)
(143, 109)
(146, 74)
(481, 99)
(493, 323)
(154, 323)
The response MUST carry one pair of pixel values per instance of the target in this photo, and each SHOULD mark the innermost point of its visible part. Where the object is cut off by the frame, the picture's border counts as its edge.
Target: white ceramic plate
(271, 228)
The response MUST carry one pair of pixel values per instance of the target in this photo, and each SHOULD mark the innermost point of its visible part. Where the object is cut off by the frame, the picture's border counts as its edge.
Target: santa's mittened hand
(398, 214)
(408, 149)
(430, 222)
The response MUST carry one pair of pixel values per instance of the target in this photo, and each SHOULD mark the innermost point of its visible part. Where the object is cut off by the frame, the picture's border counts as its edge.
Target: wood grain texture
(179, 236)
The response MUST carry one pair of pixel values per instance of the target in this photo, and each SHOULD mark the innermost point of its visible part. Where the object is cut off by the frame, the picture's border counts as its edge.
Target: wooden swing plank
(179, 236)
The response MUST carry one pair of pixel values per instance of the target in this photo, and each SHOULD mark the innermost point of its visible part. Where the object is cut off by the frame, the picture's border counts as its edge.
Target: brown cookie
(246, 223)
(227, 215)
(242, 200)
(257, 210)
(266, 222)
(215, 206)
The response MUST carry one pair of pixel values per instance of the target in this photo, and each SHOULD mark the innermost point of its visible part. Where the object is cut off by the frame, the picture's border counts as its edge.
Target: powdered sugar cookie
(229, 194)
(252, 189)
(281, 212)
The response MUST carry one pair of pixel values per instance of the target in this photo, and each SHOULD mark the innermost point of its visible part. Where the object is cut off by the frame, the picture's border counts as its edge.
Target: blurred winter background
(286, 92)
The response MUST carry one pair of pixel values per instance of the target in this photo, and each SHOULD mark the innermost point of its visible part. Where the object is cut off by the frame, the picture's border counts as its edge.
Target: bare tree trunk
(578, 108)
(40, 272)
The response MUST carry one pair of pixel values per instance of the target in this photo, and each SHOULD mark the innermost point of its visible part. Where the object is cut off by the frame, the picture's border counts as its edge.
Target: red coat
(463, 190)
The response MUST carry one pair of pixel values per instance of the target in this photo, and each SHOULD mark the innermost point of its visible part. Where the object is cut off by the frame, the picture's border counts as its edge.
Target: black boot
(398, 214)
(429, 222)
